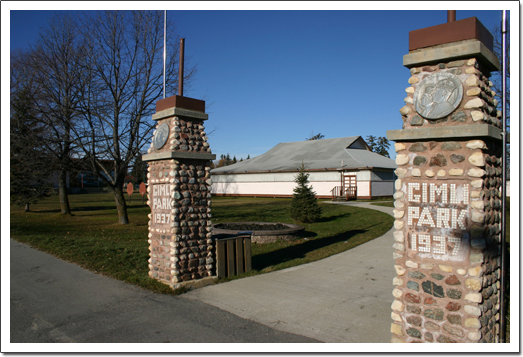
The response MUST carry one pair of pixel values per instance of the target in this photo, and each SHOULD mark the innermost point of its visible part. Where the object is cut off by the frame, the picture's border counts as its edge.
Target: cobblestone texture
(452, 301)
(182, 249)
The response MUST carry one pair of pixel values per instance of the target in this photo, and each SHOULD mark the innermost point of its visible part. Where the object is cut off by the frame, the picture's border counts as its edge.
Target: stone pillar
(447, 199)
(179, 194)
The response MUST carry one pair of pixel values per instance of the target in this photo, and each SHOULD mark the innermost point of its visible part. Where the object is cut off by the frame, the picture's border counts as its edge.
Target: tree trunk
(121, 207)
(62, 193)
(26, 208)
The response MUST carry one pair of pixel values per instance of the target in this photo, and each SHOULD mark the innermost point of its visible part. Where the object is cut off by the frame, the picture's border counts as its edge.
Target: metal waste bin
(233, 254)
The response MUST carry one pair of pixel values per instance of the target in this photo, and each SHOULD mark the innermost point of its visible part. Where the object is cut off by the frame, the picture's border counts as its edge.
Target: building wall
(283, 189)
(382, 183)
(329, 176)
(382, 188)
(282, 184)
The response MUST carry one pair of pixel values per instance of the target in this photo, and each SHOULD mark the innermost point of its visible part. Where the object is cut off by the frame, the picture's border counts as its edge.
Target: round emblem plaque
(438, 95)
(161, 135)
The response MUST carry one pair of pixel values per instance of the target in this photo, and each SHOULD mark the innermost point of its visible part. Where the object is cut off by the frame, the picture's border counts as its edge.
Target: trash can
(233, 254)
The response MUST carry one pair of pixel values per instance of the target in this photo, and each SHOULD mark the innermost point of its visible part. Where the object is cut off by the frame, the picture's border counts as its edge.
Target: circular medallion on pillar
(161, 135)
(438, 95)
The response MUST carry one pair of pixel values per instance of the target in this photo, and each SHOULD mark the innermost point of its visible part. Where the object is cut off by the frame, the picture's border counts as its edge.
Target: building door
(350, 186)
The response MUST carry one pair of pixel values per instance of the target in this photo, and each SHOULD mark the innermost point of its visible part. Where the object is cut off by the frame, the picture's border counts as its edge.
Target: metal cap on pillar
(454, 39)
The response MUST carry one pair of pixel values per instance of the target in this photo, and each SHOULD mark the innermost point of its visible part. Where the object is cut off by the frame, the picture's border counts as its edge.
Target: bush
(304, 205)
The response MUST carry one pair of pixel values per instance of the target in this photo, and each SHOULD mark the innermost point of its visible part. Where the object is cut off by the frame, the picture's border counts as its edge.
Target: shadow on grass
(104, 208)
(248, 218)
(332, 218)
(46, 211)
(297, 251)
(308, 234)
(90, 209)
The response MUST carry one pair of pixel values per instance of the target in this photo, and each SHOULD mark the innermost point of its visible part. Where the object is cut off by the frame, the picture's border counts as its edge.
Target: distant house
(84, 177)
(338, 168)
(80, 175)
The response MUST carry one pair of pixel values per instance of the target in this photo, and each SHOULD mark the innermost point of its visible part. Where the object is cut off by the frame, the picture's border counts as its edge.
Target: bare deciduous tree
(497, 77)
(99, 75)
(56, 65)
(125, 66)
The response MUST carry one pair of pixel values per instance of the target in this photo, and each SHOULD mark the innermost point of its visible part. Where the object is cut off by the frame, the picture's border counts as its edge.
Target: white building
(332, 164)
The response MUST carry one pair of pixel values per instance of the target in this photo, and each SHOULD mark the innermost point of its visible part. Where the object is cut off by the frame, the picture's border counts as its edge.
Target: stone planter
(263, 235)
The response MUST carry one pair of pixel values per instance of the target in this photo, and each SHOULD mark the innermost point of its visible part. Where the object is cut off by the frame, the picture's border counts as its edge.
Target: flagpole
(164, 47)
(503, 308)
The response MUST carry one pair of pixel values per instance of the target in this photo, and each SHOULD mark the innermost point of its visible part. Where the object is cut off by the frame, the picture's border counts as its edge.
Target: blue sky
(271, 76)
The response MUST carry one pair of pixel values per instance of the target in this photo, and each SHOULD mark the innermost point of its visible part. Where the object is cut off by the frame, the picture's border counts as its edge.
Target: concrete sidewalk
(343, 298)
(53, 301)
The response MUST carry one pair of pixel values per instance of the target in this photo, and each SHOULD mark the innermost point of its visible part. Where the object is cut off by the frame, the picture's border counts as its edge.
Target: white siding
(282, 184)
(363, 189)
(328, 176)
(268, 188)
(277, 184)
(363, 175)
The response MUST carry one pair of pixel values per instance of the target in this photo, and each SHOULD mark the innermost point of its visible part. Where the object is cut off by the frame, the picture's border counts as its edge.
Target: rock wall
(448, 205)
(179, 190)
(442, 296)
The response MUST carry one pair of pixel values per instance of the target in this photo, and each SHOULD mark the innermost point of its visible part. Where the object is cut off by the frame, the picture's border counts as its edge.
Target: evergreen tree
(316, 137)
(304, 205)
(379, 145)
(31, 166)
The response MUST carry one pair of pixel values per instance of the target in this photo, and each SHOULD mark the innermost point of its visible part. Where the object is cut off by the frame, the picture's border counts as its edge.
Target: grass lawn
(385, 204)
(339, 229)
(93, 239)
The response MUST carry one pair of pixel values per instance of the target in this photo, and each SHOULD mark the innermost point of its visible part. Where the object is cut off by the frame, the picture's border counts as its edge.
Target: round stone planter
(260, 233)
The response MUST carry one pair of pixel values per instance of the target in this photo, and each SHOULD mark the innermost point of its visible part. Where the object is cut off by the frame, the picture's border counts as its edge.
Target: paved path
(343, 298)
(56, 301)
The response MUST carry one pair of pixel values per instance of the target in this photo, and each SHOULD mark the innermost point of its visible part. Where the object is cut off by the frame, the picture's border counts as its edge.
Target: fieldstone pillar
(447, 199)
(179, 194)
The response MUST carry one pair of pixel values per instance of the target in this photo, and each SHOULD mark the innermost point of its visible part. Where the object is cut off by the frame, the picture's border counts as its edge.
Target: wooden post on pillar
(181, 67)
(451, 15)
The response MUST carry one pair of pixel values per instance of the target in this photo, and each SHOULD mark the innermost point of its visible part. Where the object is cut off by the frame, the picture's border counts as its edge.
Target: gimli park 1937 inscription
(437, 219)
(161, 204)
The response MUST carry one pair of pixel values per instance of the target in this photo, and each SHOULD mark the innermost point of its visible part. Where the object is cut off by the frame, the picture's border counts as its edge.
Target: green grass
(93, 239)
(384, 204)
(339, 229)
